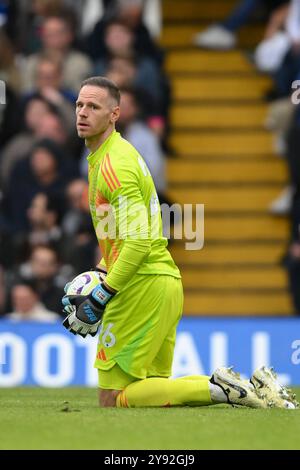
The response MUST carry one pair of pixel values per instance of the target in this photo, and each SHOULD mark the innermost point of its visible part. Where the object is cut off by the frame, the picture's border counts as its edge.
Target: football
(84, 283)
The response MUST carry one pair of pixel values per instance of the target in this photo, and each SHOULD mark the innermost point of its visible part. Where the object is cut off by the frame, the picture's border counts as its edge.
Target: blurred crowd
(47, 47)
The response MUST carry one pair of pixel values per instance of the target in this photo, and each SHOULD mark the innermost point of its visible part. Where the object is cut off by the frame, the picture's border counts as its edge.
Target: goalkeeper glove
(84, 312)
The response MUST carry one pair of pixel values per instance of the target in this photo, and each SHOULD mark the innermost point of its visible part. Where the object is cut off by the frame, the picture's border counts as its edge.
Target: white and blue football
(84, 283)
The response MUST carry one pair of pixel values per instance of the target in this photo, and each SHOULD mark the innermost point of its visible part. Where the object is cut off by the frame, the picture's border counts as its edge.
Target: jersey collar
(96, 156)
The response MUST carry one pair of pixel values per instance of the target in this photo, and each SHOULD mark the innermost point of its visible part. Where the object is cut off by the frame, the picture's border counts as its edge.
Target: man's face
(24, 299)
(129, 109)
(118, 39)
(44, 263)
(75, 193)
(48, 75)
(37, 210)
(43, 163)
(35, 111)
(96, 110)
(56, 34)
(51, 126)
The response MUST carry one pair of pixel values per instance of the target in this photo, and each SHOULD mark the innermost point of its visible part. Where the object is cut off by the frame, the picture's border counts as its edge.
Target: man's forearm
(128, 263)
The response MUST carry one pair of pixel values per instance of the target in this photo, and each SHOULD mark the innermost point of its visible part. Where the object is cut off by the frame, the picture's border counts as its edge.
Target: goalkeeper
(140, 302)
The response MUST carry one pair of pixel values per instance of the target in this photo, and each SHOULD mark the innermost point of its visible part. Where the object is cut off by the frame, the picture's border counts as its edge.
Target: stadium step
(233, 228)
(231, 62)
(226, 199)
(231, 143)
(227, 172)
(218, 116)
(177, 35)
(209, 88)
(243, 278)
(237, 303)
(196, 9)
(220, 255)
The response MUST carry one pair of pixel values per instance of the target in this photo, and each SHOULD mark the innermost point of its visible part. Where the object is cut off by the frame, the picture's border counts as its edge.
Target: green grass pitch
(37, 418)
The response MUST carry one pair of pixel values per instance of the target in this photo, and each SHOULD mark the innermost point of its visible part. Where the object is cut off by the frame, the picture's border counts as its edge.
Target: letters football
(84, 283)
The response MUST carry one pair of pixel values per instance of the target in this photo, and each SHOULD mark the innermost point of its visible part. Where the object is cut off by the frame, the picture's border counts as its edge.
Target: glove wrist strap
(99, 270)
(100, 295)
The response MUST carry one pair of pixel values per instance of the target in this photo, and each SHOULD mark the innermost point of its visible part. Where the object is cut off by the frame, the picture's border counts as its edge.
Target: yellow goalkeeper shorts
(138, 331)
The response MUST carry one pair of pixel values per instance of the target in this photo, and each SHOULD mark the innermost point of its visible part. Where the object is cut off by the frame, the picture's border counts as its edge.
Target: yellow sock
(184, 391)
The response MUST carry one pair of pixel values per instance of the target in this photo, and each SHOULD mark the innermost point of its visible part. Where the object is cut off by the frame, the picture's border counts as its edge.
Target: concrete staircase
(225, 160)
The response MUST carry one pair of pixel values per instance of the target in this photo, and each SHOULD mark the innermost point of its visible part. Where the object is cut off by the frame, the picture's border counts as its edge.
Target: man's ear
(115, 114)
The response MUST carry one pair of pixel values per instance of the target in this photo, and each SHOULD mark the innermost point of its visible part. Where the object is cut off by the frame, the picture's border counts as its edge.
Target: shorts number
(107, 338)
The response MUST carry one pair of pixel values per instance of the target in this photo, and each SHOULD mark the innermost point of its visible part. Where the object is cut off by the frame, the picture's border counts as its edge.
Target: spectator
(57, 38)
(282, 58)
(43, 171)
(6, 242)
(128, 68)
(131, 13)
(141, 12)
(35, 108)
(27, 305)
(142, 138)
(10, 121)
(290, 67)
(30, 22)
(9, 71)
(77, 227)
(49, 79)
(21, 144)
(49, 85)
(43, 214)
(154, 106)
(91, 11)
(223, 35)
(41, 121)
(141, 70)
(76, 192)
(120, 59)
(44, 268)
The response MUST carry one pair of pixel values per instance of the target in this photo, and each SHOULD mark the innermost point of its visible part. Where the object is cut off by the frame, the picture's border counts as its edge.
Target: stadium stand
(224, 160)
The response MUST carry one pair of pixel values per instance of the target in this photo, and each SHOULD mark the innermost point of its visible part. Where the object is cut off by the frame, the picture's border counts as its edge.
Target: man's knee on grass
(107, 398)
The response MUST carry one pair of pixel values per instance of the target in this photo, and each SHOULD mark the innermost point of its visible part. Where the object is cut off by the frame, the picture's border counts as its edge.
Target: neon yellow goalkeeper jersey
(124, 206)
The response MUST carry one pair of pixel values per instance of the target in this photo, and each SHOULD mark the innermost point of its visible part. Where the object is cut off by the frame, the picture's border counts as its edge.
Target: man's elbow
(142, 246)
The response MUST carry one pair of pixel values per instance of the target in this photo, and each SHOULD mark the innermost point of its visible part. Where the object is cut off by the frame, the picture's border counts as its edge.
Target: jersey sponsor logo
(109, 174)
